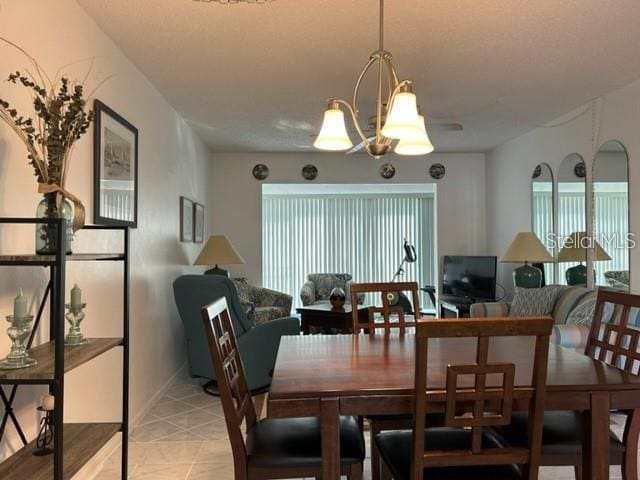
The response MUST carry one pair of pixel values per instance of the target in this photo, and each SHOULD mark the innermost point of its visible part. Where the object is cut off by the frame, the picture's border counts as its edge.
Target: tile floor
(183, 437)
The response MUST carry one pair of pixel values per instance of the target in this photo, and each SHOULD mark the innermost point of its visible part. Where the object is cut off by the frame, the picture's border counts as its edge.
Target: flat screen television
(469, 277)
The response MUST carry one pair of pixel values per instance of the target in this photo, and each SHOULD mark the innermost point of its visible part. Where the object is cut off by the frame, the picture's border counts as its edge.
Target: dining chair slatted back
(612, 340)
(482, 401)
(390, 317)
(235, 395)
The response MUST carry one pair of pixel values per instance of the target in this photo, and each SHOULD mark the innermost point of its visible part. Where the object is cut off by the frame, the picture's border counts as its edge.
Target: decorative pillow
(567, 301)
(533, 302)
(583, 312)
(585, 309)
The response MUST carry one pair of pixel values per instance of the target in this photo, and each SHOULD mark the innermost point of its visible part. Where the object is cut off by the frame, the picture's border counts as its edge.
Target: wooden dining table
(332, 375)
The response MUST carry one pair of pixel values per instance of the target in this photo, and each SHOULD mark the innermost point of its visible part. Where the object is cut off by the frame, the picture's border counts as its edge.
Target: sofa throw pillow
(532, 302)
(583, 312)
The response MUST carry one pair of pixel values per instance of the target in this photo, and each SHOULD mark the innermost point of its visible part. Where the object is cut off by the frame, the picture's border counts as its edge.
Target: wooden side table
(324, 317)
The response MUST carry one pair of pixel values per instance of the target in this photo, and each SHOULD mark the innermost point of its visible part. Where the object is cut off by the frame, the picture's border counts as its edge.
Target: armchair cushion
(308, 293)
(262, 304)
(571, 336)
(325, 282)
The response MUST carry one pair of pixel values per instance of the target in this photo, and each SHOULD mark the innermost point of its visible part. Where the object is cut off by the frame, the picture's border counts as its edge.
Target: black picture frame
(124, 191)
(187, 220)
(198, 223)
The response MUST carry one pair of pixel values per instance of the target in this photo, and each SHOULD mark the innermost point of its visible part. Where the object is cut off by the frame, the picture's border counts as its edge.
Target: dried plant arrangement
(61, 116)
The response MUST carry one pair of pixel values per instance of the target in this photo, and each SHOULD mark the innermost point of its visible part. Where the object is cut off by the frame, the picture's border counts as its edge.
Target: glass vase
(46, 233)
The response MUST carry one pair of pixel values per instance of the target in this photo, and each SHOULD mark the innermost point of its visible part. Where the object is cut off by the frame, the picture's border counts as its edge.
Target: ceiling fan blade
(360, 146)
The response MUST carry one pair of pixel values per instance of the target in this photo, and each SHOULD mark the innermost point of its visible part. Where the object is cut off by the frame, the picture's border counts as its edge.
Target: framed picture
(186, 220)
(115, 157)
(198, 223)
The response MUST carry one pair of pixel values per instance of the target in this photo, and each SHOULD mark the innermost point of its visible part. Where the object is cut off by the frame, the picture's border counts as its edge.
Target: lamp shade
(527, 247)
(403, 122)
(421, 145)
(575, 249)
(333, 134)
(219, 251)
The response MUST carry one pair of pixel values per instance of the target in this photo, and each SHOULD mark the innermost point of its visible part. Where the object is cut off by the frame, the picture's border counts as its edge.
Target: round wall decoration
(387, 171)
(309, 172)
(580, 170)
(437, 171)
(260, 171)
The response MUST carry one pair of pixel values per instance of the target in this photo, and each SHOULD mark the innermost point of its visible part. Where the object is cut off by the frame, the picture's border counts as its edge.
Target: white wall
(172, 162)
(509, 168)
(235, 196)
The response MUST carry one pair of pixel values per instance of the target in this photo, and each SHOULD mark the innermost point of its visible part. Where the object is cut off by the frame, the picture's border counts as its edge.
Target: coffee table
(324, 317)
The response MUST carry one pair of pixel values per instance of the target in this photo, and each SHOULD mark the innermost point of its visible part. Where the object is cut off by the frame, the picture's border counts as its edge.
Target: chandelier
(396, 119)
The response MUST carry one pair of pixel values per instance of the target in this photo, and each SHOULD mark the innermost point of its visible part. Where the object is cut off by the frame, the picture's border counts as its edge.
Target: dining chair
(614, 341)
(392, 314)
(387, 316)
(477, 395)
(272, 448)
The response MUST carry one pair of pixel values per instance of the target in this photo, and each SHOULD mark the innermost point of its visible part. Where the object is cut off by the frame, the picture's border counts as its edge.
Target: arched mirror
(572, 219)
(611, 216)
(542, 213)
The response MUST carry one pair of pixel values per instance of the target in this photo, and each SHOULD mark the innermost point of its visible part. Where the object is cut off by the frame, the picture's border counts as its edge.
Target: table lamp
(575, 250)
(526, 247)
(218, 251)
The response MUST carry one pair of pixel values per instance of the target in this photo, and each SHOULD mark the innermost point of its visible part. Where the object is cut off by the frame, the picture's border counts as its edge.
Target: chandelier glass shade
(396, 117)
(421, 145)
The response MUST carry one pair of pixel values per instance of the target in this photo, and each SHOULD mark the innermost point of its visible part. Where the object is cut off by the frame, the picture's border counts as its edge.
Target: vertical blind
(611, 225)
(345, 233)
(543, 225)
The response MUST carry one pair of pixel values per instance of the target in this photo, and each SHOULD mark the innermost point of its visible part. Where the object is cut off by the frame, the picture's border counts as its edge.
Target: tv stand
(451, 308)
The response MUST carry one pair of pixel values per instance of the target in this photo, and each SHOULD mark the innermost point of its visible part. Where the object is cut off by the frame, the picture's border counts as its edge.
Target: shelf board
(47, 260)
(81, 442)
(43, 372)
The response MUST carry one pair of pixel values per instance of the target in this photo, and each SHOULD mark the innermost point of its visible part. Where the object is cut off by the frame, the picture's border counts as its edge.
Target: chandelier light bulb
(402, 122)
(333, 134)
(420, 145)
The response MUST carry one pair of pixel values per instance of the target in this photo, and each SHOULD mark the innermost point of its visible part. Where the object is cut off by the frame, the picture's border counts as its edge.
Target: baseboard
(94, 466)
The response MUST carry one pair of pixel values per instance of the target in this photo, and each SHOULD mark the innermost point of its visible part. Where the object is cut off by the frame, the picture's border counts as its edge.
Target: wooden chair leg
(375, 455)
(355, 472)
(630, 440)
(577, 469)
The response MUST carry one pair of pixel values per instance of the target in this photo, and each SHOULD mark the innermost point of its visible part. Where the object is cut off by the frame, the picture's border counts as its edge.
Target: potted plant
(60, 117)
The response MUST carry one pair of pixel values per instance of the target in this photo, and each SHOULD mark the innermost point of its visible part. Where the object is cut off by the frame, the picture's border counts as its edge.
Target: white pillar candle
(48, 402)
(76, 296)
(20, 306)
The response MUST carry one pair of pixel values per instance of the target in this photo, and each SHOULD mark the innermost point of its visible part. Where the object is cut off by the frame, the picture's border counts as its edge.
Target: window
(356, 229)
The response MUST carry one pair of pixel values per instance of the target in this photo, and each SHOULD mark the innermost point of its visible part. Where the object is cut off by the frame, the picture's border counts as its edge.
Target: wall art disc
(260, 171)
(437, 171)
(309, 172)
(387, 171)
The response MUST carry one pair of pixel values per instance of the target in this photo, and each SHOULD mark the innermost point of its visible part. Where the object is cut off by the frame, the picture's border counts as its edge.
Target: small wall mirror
(611, 216)
(571, 208)
(542, 213)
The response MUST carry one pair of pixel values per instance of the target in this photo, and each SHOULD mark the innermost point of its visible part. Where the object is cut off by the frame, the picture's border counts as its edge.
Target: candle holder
(45, 434)
(18, 333)
(74, 317)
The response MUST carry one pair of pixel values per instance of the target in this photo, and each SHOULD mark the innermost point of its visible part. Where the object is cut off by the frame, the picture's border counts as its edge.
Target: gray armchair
(258, 344)
(318, 286)
(262, 304)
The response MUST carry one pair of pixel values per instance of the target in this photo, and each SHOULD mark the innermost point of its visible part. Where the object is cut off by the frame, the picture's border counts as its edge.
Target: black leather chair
(273, 448)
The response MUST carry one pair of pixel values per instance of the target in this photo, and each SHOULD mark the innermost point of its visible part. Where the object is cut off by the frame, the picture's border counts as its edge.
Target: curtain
(357, 234)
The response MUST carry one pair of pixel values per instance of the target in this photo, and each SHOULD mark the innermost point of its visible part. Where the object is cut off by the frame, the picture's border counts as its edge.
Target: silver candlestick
(74, 317)
(18, 333)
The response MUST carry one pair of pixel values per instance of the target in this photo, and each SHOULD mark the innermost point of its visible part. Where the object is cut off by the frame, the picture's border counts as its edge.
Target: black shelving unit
(74, 444)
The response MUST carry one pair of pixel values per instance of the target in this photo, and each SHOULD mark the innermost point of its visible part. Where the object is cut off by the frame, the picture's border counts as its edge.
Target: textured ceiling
(256, 77)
